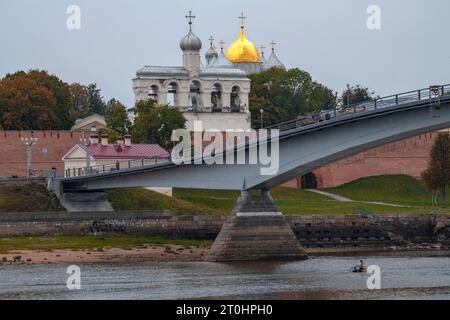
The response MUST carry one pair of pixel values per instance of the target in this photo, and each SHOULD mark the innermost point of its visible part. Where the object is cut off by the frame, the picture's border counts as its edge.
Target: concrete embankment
(85, 202)
(351, 231)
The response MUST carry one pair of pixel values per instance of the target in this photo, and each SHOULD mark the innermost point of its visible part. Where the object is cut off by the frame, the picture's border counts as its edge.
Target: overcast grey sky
(328, 38)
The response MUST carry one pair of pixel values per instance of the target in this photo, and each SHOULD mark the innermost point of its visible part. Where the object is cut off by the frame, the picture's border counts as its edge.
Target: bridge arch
(309, 181)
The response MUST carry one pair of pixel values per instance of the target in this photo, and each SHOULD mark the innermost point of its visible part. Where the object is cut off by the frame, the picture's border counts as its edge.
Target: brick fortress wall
(47, 152)
(409, 157)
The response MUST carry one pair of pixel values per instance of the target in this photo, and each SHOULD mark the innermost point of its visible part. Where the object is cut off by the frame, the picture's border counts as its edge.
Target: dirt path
(343, 199)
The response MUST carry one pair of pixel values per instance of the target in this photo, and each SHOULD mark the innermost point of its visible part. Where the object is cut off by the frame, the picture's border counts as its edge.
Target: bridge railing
(432, 94)
(113, 166)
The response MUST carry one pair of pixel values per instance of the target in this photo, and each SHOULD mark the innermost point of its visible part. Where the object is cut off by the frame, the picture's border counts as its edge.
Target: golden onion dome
(243, 50)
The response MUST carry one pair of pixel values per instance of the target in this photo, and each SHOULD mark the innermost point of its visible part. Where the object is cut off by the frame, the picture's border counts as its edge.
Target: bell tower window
(153, 93)
(235, 99)
(216, 98)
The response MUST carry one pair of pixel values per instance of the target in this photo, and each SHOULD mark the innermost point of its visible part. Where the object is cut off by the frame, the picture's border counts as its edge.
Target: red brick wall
(47, 152)
(410, 157)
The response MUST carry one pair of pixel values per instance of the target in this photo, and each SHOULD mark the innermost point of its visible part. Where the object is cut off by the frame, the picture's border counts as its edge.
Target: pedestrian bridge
(303, 146)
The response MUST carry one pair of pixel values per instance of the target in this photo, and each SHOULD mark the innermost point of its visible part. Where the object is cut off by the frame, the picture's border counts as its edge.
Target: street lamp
(87, 144)
(348, 95)
(262, 119)
(29, 142)
(335, 103)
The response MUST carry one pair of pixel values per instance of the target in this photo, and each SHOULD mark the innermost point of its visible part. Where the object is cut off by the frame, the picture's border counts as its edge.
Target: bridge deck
(369, 113)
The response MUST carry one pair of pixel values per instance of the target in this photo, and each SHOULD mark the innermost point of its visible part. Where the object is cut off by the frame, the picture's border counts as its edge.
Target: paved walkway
(344, 199)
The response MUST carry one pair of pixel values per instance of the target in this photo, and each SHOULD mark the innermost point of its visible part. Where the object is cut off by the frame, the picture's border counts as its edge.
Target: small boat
(358, 269)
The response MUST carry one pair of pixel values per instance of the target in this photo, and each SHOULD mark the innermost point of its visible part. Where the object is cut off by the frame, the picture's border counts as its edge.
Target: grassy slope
(222, 201)
(30, 197)
(392, 189)
(142, 199)
(290, 201)
(399, 189)
(78, 243)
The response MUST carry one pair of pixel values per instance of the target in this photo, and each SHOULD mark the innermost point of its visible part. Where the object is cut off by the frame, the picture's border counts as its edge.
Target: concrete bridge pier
(256, 231)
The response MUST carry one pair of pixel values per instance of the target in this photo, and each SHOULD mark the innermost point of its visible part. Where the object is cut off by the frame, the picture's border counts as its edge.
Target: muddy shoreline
(174, 253)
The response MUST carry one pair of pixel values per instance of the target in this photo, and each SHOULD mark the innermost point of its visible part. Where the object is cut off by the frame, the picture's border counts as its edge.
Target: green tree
(87, 100)
(156, 125)
(143, 106)
(270, 115)
(286, 94)
(79, 99)
(36, 100)
(54, 103)
(356, 94)
(112, 134)
(437, 175)
(116, 117)
(319, 97)
(26, 105)
(95, 100)
(65, 113)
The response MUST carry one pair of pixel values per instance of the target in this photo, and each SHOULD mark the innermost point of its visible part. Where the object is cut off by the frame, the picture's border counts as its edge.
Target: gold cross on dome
(242, 17)
(211, 40)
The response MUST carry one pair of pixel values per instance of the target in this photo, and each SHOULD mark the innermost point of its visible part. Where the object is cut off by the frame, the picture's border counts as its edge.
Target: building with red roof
(105, 156)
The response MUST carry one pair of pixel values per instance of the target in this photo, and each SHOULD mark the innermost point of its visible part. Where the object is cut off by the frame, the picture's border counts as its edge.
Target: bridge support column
(256, 230)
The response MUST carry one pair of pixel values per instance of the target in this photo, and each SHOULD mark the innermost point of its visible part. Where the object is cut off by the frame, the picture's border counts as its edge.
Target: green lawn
(79, 243)
(222, 201)
(395, 189)
(290, 201)
(27, 198)
(142, 199)
(399, 189)
(403, 190)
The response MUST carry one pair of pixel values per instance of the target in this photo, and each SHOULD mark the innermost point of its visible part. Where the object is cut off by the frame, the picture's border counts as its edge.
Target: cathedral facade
(217, 92)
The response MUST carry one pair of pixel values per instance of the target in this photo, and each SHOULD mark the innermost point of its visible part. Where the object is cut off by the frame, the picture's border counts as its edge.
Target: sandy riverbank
(146, 253)
(168, 253)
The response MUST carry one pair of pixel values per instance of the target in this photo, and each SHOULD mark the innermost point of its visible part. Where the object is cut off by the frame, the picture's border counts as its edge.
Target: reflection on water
(318, 278)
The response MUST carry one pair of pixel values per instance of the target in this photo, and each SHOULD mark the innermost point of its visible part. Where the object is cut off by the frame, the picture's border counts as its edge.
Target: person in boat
(362, 266)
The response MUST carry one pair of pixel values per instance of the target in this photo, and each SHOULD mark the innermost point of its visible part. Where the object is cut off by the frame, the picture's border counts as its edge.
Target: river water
(316, 278)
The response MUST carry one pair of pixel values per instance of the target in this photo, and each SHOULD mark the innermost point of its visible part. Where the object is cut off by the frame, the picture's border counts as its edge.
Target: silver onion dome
(273, 62)
(211, 54)
(222, 62)
(191, 42)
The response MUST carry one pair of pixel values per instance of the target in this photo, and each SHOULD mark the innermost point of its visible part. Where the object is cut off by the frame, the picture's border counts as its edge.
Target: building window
(172, 95)
(153, 93)
(194, 95)
(216, 98)
(235, 99)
